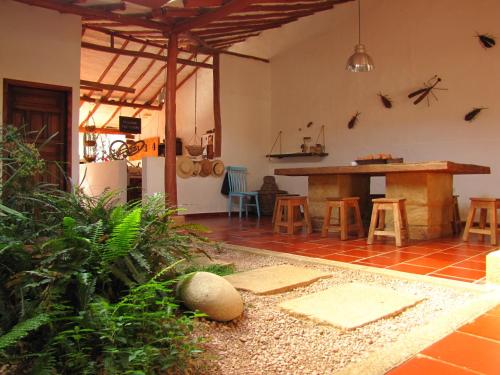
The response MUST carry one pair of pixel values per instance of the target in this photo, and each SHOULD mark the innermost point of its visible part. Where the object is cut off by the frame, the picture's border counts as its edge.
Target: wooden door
(42, 112)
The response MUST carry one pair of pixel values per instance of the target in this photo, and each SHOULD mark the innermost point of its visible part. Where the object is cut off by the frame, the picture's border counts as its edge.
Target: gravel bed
(266, 340)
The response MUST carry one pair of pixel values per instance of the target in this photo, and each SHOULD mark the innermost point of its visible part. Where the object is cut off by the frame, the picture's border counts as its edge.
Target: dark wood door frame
(69, 124)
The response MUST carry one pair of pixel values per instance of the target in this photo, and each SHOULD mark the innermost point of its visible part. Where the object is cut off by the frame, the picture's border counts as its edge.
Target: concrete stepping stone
(275, 279)
(350, 306)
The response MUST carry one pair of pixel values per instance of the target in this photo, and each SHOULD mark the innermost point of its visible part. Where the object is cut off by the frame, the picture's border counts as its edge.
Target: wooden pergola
(169, 33)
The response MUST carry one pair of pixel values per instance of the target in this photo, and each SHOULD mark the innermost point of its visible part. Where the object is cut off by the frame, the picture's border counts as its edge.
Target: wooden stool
(483, 204)
(290, 205)
(276, 203)
(456, 222)
(343, 204)
(377, 223)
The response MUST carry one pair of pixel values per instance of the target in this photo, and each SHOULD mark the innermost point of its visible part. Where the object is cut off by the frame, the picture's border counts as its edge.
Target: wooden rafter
(102, 86)
(98, 102)
(147, 55)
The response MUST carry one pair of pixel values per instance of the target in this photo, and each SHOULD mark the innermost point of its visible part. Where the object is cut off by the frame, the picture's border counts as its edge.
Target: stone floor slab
(275, 279)
(350, 306)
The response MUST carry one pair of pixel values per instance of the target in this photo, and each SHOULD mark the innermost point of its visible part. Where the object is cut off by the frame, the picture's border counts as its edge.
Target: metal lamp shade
(360, 61)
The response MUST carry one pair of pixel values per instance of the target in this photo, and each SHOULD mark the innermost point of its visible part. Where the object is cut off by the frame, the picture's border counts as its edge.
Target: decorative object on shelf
(194, 148)
(470, 116)
(306, 143)
(267, 195)
(378, 159)
(90, 141)
(354, 120)
(218, 168)
(360, 61)
(386, 101)
(120, 150)
(486, 40)
(428, 88)
(184, 167)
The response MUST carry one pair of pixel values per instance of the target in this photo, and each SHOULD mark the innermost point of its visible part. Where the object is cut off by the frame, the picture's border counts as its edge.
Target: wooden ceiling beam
(225, 38)
(288, 7)
(123, 35)
(147, 55)
(108, 7)
(274, 16)
(97, 14)
(88, 99)
(205, 34)
(202, 3)
(233, 6)
(154, 4)
(103, 131)
(102, 86)
(172, 12)
(242, 22)
(236, 54)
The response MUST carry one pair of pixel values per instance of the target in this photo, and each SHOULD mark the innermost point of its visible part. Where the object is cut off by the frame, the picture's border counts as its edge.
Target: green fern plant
(22, 329)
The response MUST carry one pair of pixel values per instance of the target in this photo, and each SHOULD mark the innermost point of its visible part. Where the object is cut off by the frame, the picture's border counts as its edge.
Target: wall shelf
(297, 155)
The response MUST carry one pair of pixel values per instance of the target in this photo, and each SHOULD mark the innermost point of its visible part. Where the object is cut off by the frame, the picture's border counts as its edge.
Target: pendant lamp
(360, 61)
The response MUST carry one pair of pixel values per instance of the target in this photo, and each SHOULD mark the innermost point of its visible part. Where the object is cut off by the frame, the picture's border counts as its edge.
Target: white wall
(40, 45)
(97, 178)
(410, 41)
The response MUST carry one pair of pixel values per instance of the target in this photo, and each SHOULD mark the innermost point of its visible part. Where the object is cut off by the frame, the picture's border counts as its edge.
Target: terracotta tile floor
(473, 349)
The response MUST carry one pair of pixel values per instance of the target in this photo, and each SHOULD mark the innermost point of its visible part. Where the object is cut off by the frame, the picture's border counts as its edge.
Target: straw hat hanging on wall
(217, 168)
(185, 167)
(197, 168)
(206, 168)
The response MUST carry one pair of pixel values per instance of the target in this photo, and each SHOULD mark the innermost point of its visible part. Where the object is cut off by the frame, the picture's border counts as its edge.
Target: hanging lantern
(90, 141)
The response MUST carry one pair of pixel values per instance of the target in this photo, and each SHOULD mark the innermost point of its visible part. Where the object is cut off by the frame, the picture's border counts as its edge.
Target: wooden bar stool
(275, 210)
(377, 223)
(456, 222)
(482, 204)
(343, 226)
(286, 214)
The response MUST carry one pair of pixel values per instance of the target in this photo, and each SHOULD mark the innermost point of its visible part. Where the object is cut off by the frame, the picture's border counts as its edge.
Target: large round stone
(212, 295)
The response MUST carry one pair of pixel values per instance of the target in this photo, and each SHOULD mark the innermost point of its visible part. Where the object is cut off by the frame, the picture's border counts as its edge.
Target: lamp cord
(195, 97)
(359, 21)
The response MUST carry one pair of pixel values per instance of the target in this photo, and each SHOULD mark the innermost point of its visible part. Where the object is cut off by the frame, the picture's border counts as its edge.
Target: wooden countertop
(382, 169)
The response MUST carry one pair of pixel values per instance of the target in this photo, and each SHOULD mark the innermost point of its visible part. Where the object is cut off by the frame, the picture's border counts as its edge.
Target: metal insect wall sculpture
(354, 120)
(470, 116)
(486, 40)
(426, 91)
(386, 101)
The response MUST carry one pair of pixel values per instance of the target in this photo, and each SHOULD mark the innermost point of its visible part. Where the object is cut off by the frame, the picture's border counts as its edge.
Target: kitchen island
(427, 187)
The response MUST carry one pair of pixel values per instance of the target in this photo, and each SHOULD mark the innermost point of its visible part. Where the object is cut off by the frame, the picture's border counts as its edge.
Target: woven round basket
(194, 150)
